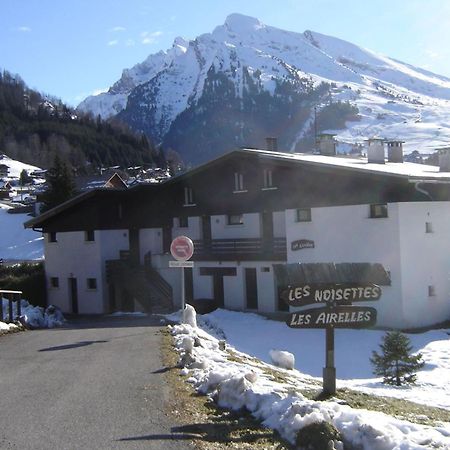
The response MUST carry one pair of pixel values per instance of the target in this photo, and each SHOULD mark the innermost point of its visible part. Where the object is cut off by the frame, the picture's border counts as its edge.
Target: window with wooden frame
(268, 180)
(239, 182)
(188, 196)
(303, 215)
(378, 210)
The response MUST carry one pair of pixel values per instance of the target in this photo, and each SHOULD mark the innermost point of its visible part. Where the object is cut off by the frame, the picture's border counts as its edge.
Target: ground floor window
(91, 283)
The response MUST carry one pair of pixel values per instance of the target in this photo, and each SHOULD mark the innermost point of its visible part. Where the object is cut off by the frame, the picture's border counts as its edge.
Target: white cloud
(130, 42)
(117, 29)
(78, 98)
(112, 43)
(150, 37)
(24, 29)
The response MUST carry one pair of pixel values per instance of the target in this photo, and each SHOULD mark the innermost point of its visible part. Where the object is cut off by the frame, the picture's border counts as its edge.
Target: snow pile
(282, 359)
(35, 316)
(234, 384)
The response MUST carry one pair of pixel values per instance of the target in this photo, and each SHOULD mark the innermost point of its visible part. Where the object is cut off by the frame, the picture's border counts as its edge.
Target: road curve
(94, 384)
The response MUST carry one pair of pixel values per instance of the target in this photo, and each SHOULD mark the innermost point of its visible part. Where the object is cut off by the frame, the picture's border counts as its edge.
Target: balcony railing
(240, 249)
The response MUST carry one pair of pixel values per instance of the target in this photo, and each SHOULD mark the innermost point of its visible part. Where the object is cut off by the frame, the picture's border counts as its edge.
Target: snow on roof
(405, 169)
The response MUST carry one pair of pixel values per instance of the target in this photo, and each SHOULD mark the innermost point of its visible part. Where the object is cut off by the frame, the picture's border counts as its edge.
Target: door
(267, 231)
(206, 233)
(167, 237)
(219, 297)
(188, 284)
(251, 288)
(134, 246)
(73, 292)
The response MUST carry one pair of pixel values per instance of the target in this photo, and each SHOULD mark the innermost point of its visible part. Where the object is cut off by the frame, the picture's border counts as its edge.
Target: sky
(72, 49)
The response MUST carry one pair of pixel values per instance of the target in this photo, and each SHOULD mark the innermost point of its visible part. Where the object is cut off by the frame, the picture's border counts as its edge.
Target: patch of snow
(246, 383)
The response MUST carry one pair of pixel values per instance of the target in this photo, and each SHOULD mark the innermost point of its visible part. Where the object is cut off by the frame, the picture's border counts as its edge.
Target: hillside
(247, 80)
(34, 127)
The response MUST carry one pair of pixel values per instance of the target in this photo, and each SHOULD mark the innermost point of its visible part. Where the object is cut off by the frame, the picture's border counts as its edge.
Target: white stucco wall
(347, 234)
(150, 240)
(72, 256)
(251, 228)
(425, 262)
(193, 230)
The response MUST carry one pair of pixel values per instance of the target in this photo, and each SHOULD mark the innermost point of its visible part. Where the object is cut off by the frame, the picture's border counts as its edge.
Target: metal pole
(329, 371)
(183, 299)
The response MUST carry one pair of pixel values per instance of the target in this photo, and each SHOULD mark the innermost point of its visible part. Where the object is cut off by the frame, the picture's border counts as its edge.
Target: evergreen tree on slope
(395, 364)
(61, 186)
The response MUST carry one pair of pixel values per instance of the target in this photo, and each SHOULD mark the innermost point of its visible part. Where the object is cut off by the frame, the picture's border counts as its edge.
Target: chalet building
(108, 250)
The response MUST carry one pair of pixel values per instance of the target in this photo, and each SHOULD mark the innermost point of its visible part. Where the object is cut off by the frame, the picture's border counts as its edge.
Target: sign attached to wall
(182, 248)
(301, 243)
(339, 294)
(181, 264)
(338, 317)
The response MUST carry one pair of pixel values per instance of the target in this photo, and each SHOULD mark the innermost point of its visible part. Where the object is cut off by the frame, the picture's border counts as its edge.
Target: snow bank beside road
(33, 316)
(235, 384)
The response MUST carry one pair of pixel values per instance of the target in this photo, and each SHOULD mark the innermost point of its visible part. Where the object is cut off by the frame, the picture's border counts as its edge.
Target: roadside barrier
(11, 296)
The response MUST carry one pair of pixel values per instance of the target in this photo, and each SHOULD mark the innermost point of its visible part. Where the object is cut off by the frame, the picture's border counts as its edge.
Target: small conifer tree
(395, 364)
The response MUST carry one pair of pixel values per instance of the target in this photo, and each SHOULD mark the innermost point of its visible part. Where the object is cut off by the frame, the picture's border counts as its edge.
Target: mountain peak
(239, 23)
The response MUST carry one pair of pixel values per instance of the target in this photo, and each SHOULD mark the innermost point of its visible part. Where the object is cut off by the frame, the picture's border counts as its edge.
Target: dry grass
(210, 427)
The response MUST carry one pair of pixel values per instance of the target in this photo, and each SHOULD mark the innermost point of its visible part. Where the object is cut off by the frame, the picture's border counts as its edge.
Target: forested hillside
(35, 127)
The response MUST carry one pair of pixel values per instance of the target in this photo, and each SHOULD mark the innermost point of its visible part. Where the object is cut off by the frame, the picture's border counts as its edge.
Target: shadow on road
(100, 321)
(68, 346)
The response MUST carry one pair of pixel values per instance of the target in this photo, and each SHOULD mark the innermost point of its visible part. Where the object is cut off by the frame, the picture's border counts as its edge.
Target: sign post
(337, 296)
(182, 249)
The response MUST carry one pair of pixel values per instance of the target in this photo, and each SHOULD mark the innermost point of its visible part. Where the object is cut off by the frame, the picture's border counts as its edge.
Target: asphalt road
(95, 384)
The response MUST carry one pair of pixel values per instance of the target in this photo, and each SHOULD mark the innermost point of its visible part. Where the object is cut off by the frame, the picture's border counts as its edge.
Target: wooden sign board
(339, 294)
(339, 317)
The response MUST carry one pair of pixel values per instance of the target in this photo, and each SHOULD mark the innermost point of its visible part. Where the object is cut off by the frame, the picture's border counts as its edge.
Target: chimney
(272, 144)
(375, 151)
(395, 151)
(444, 159)
(326, 144)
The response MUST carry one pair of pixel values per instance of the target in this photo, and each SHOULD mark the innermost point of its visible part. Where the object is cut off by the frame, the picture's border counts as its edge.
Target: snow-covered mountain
(247, 80)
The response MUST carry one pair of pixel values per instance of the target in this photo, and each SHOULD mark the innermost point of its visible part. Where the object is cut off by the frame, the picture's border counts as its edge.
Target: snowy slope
(242, 382)
(15, 167)
(16, 242)
(395, 100)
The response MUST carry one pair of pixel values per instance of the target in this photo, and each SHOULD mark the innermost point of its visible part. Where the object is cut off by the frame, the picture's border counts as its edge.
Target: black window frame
(183, 222)
(52, 236)
(189, 197)
(298, 217)
(232, 222)
(375, 213)
(91, 284)
(89, 235)
(54, 282)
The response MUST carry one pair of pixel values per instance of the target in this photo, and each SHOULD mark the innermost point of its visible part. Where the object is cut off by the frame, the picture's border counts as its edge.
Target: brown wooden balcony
(250, 249)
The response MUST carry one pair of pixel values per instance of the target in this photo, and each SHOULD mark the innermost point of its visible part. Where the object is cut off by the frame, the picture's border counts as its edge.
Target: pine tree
(61, 186)
(396, 365)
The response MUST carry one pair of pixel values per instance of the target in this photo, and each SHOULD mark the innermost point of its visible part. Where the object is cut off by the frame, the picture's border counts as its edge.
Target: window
(238, 182)
(183, 222)
(235, 219)
(378, 211)
(428, 227)
(89, 236)
(52, 236)
(303, 215)
(268, 179)
(91, 284)
(188, 196)
(54, 282)
(431, 291)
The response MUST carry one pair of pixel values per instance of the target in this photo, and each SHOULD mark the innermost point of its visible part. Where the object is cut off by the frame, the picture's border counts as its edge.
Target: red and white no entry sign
(182, 248)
